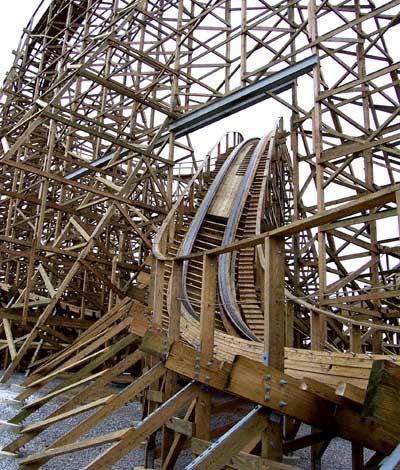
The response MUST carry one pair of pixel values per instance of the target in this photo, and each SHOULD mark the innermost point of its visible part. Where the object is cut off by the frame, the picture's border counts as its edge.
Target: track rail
(226, 270)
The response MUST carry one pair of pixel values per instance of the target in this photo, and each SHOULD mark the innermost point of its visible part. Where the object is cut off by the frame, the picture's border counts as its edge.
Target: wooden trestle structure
(261, 279)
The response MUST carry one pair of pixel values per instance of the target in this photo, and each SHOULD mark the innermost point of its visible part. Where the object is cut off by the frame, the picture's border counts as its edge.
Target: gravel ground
(336, 457)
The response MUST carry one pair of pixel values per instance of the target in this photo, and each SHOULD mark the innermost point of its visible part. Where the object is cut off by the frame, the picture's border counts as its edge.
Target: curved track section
(226, 268)
(205, 206)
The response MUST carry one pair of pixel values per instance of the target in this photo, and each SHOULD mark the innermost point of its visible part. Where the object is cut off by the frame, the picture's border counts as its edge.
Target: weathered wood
(306, 441)
(109, 407)
(150, 424)
(92, 391)
(208, 304)
(381, 400)
(369, 201)
(274, 335)
(283, 397)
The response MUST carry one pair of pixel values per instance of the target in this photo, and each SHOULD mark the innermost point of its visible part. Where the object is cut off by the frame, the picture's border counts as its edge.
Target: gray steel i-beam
(219, 108)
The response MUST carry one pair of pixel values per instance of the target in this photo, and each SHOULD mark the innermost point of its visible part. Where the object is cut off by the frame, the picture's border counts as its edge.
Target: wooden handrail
(363, 203)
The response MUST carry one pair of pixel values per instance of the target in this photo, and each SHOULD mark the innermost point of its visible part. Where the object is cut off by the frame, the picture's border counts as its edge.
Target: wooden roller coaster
(259, 283)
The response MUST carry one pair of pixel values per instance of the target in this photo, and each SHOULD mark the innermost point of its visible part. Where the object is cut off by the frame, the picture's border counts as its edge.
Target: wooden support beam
(285, 395)
(381, 400)
(274, 306)
(362, 203)
(306, 441)
(148, 426)
(208, 306)
(9, 337)
(109, 407)
(92, 391)
(179, 441)
(274, 335)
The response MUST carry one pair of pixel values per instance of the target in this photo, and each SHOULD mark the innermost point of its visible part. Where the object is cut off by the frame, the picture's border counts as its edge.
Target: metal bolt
(268, 377)
(267, 388)
(196, 374)
(209, 363)
(283, 382)
(282, 404)
(267, 398)
(197, 366)
(207, 378)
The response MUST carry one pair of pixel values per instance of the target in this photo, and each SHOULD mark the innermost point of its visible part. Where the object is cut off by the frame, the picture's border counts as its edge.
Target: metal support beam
(240, 99)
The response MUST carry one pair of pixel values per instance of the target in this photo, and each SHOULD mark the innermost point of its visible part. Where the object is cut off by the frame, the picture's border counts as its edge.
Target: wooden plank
(45, 423)
(9, 337)
(321, 389)
(10, 427)
(182, 359)
(75, 447)
(178, 442)
(243, 460)
(181, 426)
(92, 391)
(274, 307)
(35, 404)
(306, 441)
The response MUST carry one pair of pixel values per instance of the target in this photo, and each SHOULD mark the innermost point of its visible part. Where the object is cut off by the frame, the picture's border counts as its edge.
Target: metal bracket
(265, 358)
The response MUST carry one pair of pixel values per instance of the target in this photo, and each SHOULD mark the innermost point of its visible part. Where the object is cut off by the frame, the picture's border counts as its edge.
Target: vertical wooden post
(274, 333)
(158, 292)
(206, 346)
(398, 208)
(274, 307)
(171, 378)
(175, 301)
(208, 299)
(355, 339)
(289, 325)
(357, 456)
(377, 338)
(318, 324)
(243, 37)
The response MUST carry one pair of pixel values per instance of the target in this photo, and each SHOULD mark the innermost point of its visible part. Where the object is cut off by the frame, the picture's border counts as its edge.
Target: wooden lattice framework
(89, 170)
